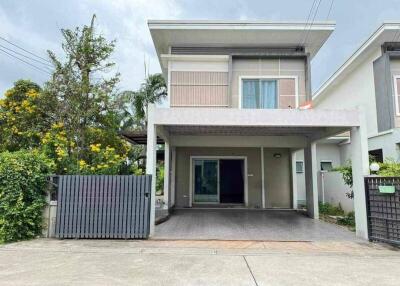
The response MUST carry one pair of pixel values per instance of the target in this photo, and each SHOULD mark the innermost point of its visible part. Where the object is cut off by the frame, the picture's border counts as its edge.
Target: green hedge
(22, 194)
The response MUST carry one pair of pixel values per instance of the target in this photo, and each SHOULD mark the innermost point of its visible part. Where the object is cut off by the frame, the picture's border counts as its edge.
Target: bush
(22, 194)
(160, 179)
(348, 220)
(328, 209)
(389, 168)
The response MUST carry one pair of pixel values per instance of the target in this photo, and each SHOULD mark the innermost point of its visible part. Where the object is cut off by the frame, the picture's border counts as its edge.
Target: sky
(35, 26)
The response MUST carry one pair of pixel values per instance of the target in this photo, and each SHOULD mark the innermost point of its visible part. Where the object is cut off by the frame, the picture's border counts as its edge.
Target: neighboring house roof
(138, 137)
(166, 33)
(387, 32)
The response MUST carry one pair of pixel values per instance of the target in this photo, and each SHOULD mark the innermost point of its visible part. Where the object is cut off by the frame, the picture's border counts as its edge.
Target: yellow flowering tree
(22, 117)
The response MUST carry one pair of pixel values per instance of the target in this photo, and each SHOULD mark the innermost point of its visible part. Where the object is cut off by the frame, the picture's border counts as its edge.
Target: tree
(84, 136)
(153, 90)
(23, 116)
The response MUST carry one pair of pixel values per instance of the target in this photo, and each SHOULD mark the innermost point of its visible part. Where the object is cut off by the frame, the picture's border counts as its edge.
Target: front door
(218, 181)
(231, 182)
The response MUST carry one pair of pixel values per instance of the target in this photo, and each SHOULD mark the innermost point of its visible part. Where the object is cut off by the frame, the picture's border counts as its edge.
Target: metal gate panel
(383, 210)
(103, 206)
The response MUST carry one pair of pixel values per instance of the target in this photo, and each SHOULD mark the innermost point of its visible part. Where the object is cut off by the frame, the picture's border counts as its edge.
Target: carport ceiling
(244, 130)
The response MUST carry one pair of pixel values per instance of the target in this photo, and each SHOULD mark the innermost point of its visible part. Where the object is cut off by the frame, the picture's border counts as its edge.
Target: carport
(215, 134)
(244, 224)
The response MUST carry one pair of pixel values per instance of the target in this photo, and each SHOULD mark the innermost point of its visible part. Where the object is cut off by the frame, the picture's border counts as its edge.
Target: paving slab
(190, 262)
(243, 224)
(324, 270)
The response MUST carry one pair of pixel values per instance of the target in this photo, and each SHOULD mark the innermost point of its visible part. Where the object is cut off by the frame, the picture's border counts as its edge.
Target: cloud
(38, 29)
(134, 45)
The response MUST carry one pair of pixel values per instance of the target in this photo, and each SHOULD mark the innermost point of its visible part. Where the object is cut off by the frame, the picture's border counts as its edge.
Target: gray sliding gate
(101, 206)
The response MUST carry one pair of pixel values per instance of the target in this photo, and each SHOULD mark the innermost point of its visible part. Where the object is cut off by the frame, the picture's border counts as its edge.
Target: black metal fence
(383, 209)
(102, 206)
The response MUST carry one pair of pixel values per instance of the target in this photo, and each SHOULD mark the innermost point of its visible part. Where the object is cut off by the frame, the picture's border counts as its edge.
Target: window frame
(277, 78)
(396, 95)
(302, 167)
(325, 161)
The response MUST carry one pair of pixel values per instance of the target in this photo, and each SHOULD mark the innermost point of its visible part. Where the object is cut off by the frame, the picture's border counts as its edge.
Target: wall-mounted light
(277, 155)
(374, 167)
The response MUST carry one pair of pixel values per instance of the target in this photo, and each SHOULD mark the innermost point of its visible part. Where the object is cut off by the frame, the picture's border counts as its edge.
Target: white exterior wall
(334, 187)
(355, 89)
(334, 190)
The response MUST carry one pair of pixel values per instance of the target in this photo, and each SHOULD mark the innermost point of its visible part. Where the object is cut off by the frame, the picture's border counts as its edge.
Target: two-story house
(370, 78)
(234, 120)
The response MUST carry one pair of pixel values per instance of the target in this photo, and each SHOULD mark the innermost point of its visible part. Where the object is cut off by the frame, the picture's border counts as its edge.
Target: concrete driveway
(242, 224)
(99, 262)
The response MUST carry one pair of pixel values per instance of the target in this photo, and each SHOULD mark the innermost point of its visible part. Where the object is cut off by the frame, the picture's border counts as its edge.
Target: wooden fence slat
(117, 207)
(68, 208)
(112, 210)
(60, 208)
(105, 206)
(92, 203)
(141, 220)
(129, 210)
(101, 208)
(125, 212)
(137, 209)
(83, 206)
(146, 212)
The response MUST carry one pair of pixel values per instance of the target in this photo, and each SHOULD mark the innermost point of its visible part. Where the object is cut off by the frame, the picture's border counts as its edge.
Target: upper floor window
(259, 93)
(269, 93)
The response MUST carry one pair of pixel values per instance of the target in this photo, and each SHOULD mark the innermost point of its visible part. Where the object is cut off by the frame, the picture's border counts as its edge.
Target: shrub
(348, 220)
(160, 179)
(389, 168)
(22, 194)
(328, 209)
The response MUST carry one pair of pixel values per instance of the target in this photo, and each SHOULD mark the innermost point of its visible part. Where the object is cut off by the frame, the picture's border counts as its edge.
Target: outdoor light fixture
(277, 155)
(374, 167)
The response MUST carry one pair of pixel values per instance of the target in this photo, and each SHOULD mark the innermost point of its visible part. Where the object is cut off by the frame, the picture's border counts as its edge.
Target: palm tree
(153, 90)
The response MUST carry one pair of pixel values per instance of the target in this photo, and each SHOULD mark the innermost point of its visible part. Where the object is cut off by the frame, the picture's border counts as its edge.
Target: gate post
(151, 163)
(360, 168)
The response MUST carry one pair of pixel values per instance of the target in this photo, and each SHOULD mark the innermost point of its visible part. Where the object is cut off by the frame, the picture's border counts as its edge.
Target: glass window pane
(299, 167)
(268, 94)
(206, 181)
(251, 93)
(326, 166)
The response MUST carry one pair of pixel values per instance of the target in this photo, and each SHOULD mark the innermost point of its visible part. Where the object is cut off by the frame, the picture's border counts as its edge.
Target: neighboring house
(369, 79)
(233, 123)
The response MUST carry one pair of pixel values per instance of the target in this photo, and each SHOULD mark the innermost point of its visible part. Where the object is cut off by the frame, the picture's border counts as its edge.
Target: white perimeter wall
(334, 187)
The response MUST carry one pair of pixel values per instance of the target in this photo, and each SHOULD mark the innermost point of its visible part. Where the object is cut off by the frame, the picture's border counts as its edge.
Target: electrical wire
(312, 22)
(330, 9)
(25, 50)
(306, 23)
(22, 60)
(28, 57)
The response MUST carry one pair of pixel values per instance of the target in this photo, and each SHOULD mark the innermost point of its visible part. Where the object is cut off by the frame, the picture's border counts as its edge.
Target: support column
(166, 174)
(151, 164)
(172, 180)
(294, 179)
(262, 179)
(360, 168)
(310, 162)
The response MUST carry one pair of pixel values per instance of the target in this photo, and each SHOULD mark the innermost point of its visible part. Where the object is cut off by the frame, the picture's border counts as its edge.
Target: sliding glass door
(259, 93)
(206, 185)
